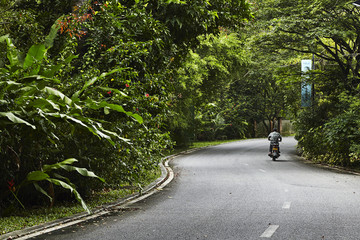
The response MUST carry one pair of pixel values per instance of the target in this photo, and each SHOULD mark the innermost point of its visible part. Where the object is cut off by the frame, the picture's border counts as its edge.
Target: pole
(313, 85)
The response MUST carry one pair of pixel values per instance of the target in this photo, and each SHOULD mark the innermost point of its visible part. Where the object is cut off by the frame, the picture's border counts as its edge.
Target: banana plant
(31, 104)
(47, 174)
(39, 100)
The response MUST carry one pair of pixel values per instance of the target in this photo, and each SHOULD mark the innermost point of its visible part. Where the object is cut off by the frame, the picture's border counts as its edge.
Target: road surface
(235, 191)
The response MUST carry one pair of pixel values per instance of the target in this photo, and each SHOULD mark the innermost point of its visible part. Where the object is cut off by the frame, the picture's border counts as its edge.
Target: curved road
(235, 191)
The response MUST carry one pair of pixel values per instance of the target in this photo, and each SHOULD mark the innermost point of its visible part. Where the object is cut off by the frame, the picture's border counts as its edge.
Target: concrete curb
(333, 168)
(167, 176)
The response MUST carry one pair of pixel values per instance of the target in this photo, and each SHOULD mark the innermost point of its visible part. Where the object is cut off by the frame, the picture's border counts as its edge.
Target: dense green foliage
(102, 82)
(37, 120)
(115, 83)
(203, 106)
(329, 130)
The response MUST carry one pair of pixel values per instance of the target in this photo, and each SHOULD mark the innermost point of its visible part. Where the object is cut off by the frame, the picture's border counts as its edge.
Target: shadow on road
(280, 160)
(229, 150)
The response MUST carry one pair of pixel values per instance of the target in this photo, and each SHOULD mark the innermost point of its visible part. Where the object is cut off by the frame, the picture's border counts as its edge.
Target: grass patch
(199, 145)
(21, 219)
(206, 144)
(30, 217)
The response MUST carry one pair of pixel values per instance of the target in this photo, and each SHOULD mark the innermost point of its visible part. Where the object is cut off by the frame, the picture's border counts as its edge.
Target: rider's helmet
(275, 129)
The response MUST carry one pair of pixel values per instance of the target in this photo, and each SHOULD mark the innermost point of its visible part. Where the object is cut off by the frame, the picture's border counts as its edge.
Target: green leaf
(40, 189)
(175, 2)
(111, 72)
(101, 134)
(59, 165)
(83, 171)
(9, 85)
(36, 53)
(41, 103)
(137, 117)
(15, 119)
(115, 135)
(12, 53)
(106, 89)
(73, 190)
(91, 127)
(39, 77)
(59, 94)
(95, 105)
(106, 111)
(49, 40)
(37, 176)
(95, 79)
(42, 114)
(69, 161)
(4, 38)
(115, 107)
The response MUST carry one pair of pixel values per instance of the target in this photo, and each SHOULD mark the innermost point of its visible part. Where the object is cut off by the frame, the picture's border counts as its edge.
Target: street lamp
(356, 3)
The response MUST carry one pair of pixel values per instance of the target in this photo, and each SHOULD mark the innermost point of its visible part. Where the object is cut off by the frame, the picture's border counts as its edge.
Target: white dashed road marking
(269, 231)
(286, 205)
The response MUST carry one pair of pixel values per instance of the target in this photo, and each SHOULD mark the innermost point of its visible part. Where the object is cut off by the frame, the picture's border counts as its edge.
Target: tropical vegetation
(328, 130)
(95, 87)
(105, 88)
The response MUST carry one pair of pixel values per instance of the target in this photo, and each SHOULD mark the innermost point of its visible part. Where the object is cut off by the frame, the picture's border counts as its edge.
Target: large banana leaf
(95, 79)
(14, 119)
(44, 175)
(56, 166)
(59, 94)
(37, 176)
(72, 189)
(83, 171)
(66, 165)
(12, 54)
(96, 105)
(49, 40)
(35, 54)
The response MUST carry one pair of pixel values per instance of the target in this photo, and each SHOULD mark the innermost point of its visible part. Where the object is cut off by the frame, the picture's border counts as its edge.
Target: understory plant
(38, 120)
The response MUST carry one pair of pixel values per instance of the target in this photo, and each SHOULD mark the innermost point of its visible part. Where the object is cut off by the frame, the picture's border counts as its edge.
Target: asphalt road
(235, 191)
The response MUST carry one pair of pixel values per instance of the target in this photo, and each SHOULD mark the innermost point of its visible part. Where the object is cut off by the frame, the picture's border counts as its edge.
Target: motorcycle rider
(274, 138)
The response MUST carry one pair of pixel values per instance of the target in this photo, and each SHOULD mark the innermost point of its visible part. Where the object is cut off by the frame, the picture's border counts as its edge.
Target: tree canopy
(327, 31)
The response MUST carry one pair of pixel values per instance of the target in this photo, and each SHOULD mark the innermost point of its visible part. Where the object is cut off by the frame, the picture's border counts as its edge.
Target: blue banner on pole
(306, 88)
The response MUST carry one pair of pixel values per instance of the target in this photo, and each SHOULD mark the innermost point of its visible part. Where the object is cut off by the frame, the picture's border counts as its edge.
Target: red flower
(11, 185)
(109, 92)
(127, 85)
(147, 95)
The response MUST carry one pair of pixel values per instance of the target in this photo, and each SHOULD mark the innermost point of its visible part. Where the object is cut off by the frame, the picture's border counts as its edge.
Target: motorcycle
(275, 151)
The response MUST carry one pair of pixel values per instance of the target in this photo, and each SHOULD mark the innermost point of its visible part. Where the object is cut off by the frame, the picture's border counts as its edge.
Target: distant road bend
(235, 191)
